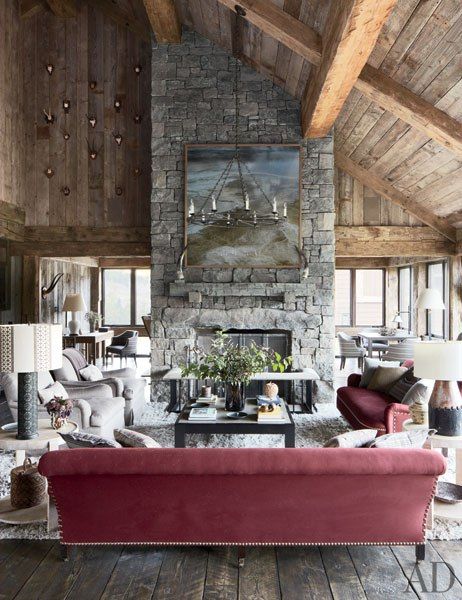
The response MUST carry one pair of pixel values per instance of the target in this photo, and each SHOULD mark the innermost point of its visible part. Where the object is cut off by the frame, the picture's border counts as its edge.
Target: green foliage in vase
(233, 364)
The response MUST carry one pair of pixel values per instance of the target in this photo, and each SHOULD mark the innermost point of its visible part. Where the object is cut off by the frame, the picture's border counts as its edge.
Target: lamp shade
(438, 360)
(74, 303)
(397, 319)
(30, 348)
(430, 299)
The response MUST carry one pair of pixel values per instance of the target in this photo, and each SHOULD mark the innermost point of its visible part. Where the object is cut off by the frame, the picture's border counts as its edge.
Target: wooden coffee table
(225, 425)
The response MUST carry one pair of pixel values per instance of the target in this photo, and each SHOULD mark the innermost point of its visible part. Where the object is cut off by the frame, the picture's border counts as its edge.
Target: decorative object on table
(74, 303)
(398, 319)
(271, 390)
(203, 414)
(264, 400)
(93, 319)
(28, 487)
(234, 366)
(430, 299)
(419, 412)
(206, 391)
(442, 361)
(60, 410)
(272, 413)
(237, 415)
(54, 282)
(25, 350)
(450, 493)
(387, 331)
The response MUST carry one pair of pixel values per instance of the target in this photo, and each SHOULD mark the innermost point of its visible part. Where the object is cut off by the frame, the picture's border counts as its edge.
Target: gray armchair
(95, 410)
(122, 382)
(350, 349)
(124, 345)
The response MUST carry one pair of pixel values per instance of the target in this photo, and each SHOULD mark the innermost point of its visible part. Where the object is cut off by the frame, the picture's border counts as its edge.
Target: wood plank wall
(90, 48)
(356, 204)
(11, 100)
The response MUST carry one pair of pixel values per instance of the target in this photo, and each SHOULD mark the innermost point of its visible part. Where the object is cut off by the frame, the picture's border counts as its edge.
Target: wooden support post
(31, 289)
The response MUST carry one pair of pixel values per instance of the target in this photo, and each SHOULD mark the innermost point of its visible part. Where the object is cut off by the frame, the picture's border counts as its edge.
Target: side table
(442, 509)
(48, 439)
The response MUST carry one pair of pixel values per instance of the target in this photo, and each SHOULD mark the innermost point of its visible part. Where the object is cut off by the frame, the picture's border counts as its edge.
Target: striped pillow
(399, 389)
(79, 439)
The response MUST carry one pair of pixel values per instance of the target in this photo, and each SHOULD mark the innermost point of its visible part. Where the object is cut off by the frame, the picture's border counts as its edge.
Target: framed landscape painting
(271, 173)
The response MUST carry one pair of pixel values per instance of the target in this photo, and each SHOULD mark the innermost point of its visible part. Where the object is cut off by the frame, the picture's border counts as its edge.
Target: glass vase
(234, 399)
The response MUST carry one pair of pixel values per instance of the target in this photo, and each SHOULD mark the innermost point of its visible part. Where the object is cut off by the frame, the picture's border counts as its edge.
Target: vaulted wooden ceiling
(399, 130)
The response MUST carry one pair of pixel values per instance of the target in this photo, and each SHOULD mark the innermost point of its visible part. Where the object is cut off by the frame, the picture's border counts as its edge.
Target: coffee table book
(274, 416)
(203, 414)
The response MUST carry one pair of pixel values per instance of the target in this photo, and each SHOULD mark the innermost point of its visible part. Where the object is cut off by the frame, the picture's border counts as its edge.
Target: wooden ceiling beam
(351, 31)
(122, 17)
(164, 21)
(63, 8)
(385, 189)
(29, 8)
(454, 217)
(386, 241)
(380, 88)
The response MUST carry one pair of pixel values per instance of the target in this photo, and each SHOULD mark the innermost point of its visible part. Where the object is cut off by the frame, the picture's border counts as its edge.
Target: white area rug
(310, 431)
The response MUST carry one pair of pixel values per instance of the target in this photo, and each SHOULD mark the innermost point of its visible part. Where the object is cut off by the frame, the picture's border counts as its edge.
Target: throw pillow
(91, 373)
(79, 439)
(384, 377)
(404, 439)
(56, 389)
(419, 391)
(352, 439)
(399, 389)
(370, 366)
(133, 439)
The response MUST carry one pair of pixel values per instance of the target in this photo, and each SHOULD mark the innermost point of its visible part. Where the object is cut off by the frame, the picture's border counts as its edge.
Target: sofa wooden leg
(64, 552)
(241, 556)
(419, 552)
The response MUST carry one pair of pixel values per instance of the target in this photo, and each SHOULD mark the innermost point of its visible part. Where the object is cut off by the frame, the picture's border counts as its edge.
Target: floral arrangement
(233, 364)
(93, 317)
(60, 410)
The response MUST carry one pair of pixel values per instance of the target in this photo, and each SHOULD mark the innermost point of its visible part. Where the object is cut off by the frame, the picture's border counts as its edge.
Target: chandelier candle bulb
(247, 203)
(275, 206)
(214, 204)
(191, 208)
(285, 210)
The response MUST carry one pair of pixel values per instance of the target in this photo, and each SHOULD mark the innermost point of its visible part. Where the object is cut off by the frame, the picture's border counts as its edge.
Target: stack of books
(208, 399)
(265, 400)
(274, 416)
(203, 414)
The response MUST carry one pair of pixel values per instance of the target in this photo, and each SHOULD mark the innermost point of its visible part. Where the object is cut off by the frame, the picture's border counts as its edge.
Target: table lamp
(74, 303)
(398, 320)
(442, 361)
(25, 350)
(430, 299)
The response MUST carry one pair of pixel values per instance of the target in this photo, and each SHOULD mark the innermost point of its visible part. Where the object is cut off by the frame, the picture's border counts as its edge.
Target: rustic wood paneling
(11, 116)
(105, 191)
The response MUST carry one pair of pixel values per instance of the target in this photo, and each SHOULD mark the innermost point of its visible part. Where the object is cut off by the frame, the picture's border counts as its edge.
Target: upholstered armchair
(96, 410)
(401, 351)
(350, 349)
(122, 382)
(124, 345)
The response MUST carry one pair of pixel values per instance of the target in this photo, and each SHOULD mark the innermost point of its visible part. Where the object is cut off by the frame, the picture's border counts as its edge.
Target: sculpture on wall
(54, 282)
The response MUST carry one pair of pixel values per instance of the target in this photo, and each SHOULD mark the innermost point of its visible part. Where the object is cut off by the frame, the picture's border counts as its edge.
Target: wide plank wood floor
(33, 570)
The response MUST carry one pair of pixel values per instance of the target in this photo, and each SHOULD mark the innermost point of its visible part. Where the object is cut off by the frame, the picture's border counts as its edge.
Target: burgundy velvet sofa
(367, 409)
(234, 496)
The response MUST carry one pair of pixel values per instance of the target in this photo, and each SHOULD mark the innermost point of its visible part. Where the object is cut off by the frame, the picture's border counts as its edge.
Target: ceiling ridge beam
(372, 83)
(164, 20)
(349, 36)
(385, 189)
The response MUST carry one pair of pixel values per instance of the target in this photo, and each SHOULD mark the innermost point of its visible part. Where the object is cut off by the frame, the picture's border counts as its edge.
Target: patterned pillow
(399, 389)
(91, 373)
(55, 389)
(370, 366)
(384, 377)
(80, 439)
(352, 439)
(133, 439)
(419, 391)
(404, 439)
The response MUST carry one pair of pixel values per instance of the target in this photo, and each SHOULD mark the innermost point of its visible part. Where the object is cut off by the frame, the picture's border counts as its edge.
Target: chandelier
(206, 211)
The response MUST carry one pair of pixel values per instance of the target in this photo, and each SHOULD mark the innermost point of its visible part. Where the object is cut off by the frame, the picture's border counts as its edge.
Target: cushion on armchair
(399, 389)
(80, 439)
(91, 373)
(134, 439)
(384, 378)
(55, 390)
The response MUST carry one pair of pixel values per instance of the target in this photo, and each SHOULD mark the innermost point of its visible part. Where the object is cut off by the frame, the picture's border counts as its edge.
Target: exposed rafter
(63, 8)
(112, 10)
(392, 96)
(29, 8)
(385, 189)
(351, 31)
(164, 21)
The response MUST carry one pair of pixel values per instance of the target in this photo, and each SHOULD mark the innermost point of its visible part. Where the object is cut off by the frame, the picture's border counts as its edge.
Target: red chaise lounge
(234, 496)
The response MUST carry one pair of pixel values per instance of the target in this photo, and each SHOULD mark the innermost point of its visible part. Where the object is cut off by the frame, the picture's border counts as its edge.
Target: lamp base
(74, 327)
(445, 408)
(27, 406)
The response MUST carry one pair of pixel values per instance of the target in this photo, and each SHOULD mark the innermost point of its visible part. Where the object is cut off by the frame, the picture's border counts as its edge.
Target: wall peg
(66, 106)
(118, 139)
(66, 190)
(117, 105)
(50, 68)
(49, 118)
(49, 172)
(92, 121)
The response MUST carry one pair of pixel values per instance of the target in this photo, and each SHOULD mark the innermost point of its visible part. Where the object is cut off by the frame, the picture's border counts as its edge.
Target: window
(126, 296)
(359, 297)
(405, 296)
(437, 279)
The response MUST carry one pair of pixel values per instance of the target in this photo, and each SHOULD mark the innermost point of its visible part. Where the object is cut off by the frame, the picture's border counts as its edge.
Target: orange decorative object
(270, 389)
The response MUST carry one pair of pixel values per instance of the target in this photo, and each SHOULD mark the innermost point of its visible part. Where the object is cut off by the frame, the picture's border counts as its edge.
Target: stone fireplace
(192, 92)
